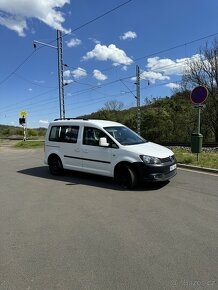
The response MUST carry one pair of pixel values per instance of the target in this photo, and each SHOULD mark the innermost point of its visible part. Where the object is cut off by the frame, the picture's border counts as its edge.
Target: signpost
(23, 113)
(22, 122)
(198, 96)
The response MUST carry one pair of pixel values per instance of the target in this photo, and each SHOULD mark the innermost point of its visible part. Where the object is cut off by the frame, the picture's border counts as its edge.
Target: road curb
(203, 169)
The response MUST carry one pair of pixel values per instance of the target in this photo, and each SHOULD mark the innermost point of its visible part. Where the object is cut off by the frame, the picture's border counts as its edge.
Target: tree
(203, 70)
(113, 106)
(32, 132)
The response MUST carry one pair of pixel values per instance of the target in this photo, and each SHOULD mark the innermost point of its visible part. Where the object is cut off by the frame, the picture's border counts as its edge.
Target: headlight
(150, 159)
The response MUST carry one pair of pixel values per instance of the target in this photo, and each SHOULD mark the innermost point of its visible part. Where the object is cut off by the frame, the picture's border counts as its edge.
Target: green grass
(29, 144)
(206, 159)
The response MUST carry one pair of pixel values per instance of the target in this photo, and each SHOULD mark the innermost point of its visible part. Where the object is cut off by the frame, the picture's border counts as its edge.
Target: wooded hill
(169, 119)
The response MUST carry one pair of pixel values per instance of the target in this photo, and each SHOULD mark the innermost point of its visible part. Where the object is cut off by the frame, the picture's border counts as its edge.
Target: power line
(98, 100)
(157, 52)
(79, 27)
(19, 103)
(101, 86)
(117, 80)
(96, 87)
(17, 68)
(35, 83)
(112, 67)
(99, 17)
(175, 47)
(127, 88)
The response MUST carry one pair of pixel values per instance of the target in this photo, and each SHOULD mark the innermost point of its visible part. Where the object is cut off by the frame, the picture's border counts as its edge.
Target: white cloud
(111, 52)
(124, 68)
(15, 23)
(94, 40)
(39, 82)
(76, 73)
(162, 69)
(15, 13)
(67, 82)
(116, 64)
(44, 122)
(153, 76)
(73, 42)
(67, 73)
(173, 86)
(30, 89)
(79, 73)
(168, 66)
(99, 75)
(128, 35)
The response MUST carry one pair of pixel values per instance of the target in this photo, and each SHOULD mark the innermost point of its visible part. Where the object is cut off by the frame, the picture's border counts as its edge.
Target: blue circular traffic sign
(199, 95)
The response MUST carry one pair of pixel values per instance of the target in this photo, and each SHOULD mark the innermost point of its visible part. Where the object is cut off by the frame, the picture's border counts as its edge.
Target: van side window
(89, 136)
(55, 134)
(92, 135)
(68, 134)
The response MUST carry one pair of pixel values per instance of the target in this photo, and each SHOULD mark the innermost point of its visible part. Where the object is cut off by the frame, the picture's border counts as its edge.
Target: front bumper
(156, 172)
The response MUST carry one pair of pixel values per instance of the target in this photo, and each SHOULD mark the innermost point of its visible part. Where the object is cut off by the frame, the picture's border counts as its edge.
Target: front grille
(168, 159)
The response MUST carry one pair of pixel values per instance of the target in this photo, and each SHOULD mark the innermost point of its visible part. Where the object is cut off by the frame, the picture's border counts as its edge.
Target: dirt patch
(5, 143)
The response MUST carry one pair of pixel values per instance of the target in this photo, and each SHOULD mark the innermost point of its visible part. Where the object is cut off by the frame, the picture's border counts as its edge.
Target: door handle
(85, 151)
(77, 149)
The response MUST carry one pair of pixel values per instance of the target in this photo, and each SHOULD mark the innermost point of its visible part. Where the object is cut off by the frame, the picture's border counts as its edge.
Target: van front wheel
(55, 166)
(126, 177)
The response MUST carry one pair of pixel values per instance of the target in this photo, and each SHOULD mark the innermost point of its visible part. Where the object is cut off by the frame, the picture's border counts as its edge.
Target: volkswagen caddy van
(106, 148)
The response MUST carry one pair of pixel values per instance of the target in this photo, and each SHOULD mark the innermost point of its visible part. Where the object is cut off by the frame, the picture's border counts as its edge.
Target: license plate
(172, 167)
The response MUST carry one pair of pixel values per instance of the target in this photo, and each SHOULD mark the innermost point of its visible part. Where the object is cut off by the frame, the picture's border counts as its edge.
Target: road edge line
(197, 168)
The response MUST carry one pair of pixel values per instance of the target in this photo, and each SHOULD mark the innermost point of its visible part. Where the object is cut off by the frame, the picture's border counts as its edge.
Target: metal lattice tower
(60, 73)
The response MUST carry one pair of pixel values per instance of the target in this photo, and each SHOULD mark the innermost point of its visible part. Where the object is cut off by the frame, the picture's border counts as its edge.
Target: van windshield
(124, 135)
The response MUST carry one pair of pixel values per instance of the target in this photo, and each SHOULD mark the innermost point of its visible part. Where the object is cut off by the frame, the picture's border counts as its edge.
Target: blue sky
(101, 56)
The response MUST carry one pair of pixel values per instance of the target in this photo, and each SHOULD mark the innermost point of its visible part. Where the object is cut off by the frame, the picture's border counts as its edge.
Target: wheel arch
(52, 156)
(121, 163)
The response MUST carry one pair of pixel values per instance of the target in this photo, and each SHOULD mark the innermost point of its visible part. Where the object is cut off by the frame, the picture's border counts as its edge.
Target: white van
(106, 148)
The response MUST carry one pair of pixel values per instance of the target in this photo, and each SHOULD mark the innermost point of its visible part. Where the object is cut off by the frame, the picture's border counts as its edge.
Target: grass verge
(29, 144)
(206, 159)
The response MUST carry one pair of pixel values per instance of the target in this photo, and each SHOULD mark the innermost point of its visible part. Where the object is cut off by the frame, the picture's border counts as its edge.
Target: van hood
(151, 149)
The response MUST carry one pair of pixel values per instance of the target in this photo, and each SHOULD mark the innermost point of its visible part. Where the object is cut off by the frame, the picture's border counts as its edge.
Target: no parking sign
(199, 94)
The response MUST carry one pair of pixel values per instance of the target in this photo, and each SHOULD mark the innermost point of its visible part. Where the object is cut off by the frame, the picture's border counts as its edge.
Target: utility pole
(138, 99)
(59, 48)
(60, 73)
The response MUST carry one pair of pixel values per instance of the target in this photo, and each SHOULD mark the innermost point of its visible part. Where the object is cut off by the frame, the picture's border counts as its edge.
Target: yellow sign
(23, 113)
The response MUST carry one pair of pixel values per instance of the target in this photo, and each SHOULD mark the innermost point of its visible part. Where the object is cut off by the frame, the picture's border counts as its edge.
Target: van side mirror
(103, 142)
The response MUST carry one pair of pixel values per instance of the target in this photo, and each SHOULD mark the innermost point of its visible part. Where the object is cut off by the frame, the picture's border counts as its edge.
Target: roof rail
(60, 119)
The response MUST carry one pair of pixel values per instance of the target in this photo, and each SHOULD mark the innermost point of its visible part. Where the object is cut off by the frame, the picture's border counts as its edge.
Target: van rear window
(67, 134)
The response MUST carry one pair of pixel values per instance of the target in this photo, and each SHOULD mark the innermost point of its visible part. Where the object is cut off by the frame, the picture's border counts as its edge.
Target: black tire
(126, 177)
(55, 166)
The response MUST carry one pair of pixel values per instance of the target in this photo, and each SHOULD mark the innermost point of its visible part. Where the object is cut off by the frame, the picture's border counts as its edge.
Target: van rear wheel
(126, 177)
(55, 166)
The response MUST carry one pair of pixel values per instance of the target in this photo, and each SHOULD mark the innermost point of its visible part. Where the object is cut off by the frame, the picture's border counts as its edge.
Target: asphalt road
(82, 232)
